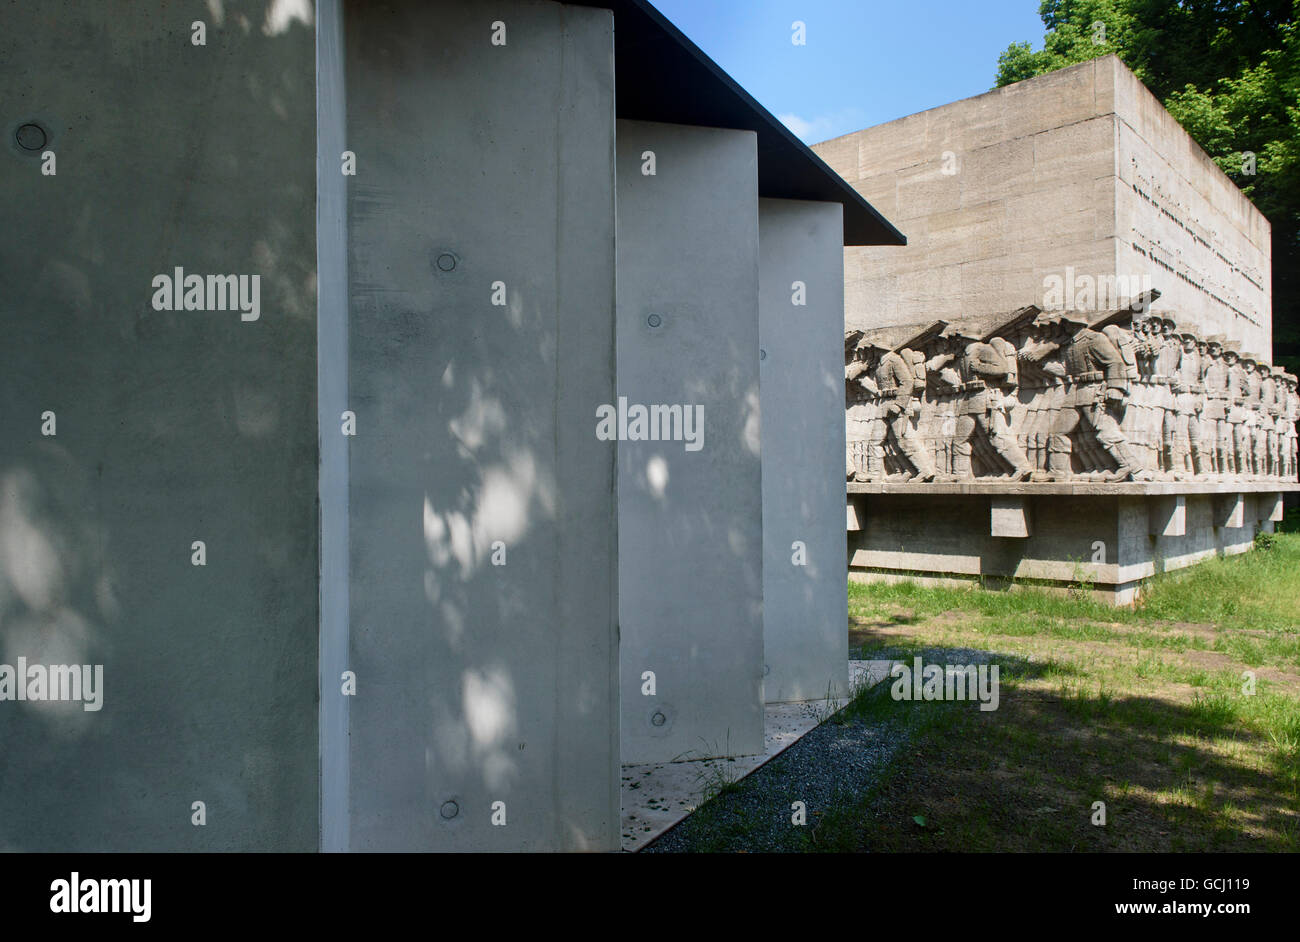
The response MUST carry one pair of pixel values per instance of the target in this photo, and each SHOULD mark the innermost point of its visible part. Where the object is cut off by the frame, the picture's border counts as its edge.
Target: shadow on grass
(1173, 777)
(838, 764)
(1028, 776)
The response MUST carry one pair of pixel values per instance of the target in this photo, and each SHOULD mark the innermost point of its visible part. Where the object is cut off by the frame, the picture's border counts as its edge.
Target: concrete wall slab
(166, 427)
(690, 521)
(483, 550)
(805, 604)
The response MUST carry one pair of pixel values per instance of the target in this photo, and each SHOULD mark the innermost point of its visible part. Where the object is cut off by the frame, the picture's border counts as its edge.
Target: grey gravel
(833, 764)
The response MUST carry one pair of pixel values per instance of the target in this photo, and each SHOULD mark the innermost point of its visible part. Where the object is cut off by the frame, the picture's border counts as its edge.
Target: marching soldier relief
(1057, 396)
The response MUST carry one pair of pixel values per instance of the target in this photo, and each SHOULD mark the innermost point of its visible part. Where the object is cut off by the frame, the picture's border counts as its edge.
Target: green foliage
(1257, 111)
(1073, 37)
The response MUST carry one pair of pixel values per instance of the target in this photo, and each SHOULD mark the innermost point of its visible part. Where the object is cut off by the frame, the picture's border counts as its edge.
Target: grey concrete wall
(690, 522)
(1000, 191)
(1065, 536)
(171, 427)
(480, 683)
(331, 402)
(805, 603)
(1179, 216)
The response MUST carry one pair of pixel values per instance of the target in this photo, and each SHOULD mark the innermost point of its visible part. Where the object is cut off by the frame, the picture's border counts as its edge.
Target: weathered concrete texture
(170, 427)
(1079, 171)
(1180, 217)
(690, 521)
(1108, 544)
(657, 795)
(801, 317)
(482, 504)
(1004, 487)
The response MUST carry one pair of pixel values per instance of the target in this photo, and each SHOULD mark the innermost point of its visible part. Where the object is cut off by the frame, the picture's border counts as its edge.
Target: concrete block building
(1069, 195)
(1075, 177)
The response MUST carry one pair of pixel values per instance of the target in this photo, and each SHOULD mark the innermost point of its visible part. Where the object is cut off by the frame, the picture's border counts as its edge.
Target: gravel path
(837, 760)
(756, 815)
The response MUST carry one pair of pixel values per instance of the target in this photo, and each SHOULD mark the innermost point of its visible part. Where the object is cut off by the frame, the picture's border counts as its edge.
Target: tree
(1229, 72)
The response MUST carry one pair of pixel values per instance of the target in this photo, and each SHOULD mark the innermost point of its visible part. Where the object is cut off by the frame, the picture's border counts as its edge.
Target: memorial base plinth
(1103, 539)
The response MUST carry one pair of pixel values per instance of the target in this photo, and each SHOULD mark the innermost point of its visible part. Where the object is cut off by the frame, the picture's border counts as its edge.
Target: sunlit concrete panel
(690, 514)
(801, 326)
(131, 432)
(483, 540)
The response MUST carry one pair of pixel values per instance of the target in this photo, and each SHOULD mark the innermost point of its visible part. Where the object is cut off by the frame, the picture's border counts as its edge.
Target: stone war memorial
(1065, 378)
(423, 419)
(463, 428)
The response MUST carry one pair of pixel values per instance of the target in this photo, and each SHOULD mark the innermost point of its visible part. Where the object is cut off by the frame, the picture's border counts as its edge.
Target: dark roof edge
(788, 168)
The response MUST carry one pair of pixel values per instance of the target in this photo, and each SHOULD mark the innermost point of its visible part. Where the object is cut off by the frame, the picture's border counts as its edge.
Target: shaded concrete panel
(171, 427)
(805, 603)
(1107, 543)
(1167, 516)
(690, 521)
(477, 682)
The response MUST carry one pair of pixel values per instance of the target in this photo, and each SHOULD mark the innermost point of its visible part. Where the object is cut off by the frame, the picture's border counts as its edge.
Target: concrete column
(1168, 515)
(801, 340)
(690, 514)
(1230, 511)
(854, 513)
(483, 541)
(132, 431)
(1273, 507)
(1009, 517)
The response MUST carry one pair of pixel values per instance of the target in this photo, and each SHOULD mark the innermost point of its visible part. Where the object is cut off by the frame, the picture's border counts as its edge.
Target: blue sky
(866, 61)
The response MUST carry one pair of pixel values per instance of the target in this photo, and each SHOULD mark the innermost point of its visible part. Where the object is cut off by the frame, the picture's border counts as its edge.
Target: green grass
(1143, 708)
(1258, 590)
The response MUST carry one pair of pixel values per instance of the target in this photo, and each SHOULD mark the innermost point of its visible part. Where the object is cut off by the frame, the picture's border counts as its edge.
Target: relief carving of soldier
(896, 378)
(1238, 411)
(1095, 396)
(1051, 397)
(988, 373)
(863, 431)
(1218, 393)
(1186, 458)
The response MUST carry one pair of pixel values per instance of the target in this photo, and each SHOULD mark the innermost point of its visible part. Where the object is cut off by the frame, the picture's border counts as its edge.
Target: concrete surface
(1109, 544)
(690, 522)
(805, 602)
(481, 683)
(658, 795)
(171, 427)
(1078, 170)
(1077, 488)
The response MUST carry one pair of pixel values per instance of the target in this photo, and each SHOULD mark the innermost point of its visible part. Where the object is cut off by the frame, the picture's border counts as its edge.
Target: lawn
(1180, 716)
